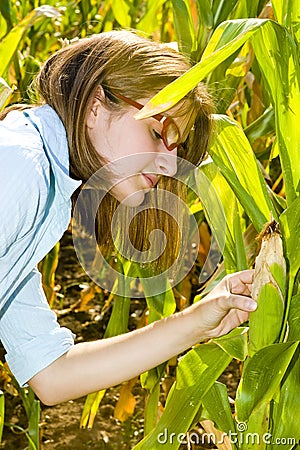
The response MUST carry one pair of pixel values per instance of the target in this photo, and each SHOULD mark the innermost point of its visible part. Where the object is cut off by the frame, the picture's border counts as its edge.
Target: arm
(91, 366)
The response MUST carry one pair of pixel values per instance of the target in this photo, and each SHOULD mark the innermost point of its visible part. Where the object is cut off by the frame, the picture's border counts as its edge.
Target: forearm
(91, 366)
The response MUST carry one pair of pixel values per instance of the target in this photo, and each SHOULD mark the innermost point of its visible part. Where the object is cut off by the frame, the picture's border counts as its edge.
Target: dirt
(60, 425)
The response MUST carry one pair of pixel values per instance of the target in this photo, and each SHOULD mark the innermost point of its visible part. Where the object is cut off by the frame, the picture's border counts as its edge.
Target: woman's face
(134, 150)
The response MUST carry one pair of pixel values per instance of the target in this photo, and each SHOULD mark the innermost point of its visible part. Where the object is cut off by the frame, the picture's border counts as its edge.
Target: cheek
(133, 138)
(131, 165)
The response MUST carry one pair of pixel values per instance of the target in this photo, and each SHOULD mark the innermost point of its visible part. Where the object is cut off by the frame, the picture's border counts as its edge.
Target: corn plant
(268, 394)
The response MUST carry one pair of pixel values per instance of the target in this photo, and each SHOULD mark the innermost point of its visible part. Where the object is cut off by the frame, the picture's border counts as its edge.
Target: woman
(91, 91)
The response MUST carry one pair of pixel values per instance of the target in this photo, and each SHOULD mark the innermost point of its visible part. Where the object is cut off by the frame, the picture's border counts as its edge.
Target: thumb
(242, 303)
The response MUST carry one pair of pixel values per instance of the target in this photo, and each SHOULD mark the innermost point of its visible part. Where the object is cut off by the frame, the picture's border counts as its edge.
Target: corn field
(247, 53)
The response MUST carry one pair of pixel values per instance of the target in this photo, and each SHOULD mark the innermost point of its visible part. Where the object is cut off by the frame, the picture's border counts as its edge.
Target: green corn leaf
(33, 425)
(184, 27)
(244, 8)
(32, 445)
(32, 410)
(210, 361)
(235, 343)
(206, 17)
(236, 166)
(151, 410)
(5, 10)
(121, 10)
(9, 44)
(27, 397)
(222, 9)
(224, 81)
(29, 68)
(287, 405)
(200, 363)
(290, 224)
(287, 13)
(262, 376)
(262, 126)
(217, 408)
(294, 319)
(149, 379)
(90, 408)
(206, 23)
(85, 7)
(160, 305)
(218, 202)
(48, 269)
(218, 199)
(241, 258)
(118, 321)
(255, 429)
(226, 40)
(148, 23)
(277, 55)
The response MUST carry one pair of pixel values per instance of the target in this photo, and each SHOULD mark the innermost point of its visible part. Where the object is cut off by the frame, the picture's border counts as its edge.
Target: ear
(95, 107)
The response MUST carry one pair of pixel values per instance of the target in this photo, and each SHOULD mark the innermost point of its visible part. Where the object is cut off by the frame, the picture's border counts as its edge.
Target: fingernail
(251, 305)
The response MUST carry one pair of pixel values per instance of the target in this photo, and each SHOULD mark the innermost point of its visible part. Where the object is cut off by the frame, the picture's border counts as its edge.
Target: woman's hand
(227, 306)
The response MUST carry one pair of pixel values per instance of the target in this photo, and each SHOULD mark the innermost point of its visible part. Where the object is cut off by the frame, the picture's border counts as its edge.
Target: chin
(132, 200)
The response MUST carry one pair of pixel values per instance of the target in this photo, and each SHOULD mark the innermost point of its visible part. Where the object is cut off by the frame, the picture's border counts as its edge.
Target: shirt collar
(53, 135)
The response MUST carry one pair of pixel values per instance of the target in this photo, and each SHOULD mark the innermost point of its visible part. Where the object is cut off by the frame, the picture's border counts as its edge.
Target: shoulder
(24, 176)
(23, 160)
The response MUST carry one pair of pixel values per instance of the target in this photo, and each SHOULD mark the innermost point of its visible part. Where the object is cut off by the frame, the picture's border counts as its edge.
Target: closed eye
(157, 134)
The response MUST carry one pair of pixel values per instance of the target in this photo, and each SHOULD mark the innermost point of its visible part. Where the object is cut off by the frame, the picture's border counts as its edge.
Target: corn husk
(268, 290)
(5, 93)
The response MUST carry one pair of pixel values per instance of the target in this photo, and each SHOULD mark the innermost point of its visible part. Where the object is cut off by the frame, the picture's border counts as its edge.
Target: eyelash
(157, 134)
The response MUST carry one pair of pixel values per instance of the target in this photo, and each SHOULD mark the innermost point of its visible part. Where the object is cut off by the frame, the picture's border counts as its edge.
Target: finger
(246, 276)
(240, 288)
(242, 303)
(240, 282)
(234, 319)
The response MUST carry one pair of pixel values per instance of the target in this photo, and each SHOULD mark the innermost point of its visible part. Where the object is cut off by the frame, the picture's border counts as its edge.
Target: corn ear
(268, 290)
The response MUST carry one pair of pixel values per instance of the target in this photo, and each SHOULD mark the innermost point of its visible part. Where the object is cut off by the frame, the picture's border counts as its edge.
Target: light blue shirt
(35, 202)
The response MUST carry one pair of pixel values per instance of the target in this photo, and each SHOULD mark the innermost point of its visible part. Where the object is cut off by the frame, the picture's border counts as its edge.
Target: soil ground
(60, 425)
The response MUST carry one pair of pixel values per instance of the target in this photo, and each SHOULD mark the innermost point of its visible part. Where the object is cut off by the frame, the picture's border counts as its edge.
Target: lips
(151, 180)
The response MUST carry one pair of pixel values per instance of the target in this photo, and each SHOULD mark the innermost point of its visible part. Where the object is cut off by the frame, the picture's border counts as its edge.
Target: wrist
(192, 324)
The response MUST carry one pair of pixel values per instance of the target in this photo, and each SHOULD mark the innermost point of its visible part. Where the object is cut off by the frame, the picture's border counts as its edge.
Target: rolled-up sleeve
(30, 332)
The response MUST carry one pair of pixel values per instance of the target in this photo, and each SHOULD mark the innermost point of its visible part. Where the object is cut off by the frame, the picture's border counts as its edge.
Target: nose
(166, 162)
